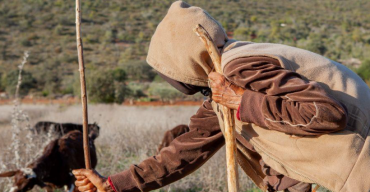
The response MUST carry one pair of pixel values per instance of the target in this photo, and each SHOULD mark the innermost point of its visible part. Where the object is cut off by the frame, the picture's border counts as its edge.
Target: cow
(53, 168)
(64, 128)
(170, 135)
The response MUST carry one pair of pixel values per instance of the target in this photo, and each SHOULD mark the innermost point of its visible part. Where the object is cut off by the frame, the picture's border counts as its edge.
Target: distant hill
(116, 34)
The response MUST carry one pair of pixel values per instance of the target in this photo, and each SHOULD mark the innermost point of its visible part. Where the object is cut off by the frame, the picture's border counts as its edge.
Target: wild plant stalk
(17, 116)
(20, 67)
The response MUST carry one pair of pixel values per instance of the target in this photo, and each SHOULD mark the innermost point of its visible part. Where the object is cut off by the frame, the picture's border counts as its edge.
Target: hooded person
(300, 117)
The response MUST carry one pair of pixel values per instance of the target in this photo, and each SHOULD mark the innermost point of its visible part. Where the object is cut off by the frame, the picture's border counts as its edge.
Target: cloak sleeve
(282, 100)
(184, 155)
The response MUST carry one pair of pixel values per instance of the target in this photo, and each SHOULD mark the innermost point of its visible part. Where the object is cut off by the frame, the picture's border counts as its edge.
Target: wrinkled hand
(224, 92)
(90, 180)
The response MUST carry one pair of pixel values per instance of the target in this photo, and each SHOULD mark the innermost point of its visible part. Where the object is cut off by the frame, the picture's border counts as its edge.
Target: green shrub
(137, 90)
(138, 70)
(11, 81)
(242, 33)
(164, 91)
(158, 79)
(117, 34)
(26, 42)
(2, 87)
(119, 75)
(100, 87)
(364, 70)
(316, 44)
(104, 86)
(122, 91)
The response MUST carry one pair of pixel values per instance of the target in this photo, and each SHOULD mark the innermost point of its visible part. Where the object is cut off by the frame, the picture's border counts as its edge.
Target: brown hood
(177, 52)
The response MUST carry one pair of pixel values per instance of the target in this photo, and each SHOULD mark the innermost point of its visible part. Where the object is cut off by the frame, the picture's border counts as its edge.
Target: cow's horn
(8, 174)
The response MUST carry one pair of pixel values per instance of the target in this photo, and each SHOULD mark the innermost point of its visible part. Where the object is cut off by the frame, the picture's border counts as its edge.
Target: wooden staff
(83, 85)
(229, 134)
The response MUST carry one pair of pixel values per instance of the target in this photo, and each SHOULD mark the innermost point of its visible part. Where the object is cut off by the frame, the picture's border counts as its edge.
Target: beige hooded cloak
(339, 161)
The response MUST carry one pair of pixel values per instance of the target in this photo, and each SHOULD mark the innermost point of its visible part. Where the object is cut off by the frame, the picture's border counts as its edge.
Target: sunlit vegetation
(116, 36)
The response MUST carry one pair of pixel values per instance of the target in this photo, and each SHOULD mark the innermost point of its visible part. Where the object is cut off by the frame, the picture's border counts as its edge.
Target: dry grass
(128, 135)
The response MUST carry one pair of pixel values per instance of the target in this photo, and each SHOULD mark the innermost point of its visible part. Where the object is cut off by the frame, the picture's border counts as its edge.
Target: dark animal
(170, 135)
(64, 128)
(53, 169)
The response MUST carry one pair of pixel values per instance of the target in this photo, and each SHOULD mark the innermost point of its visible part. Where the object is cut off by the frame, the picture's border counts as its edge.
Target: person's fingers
(82, 182)
(87, 187)
(216, 80)
(93, 190)
(77, 172)
(80, 177)
(215, 85)
(88, 180)
(82, 172)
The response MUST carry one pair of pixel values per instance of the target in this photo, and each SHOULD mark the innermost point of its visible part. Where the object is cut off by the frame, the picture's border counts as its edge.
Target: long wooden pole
(83, 85)
(229, 134)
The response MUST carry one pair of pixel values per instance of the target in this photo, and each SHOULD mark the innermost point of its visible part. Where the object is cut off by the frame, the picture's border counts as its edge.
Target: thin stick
(232, 171)
(83, 85)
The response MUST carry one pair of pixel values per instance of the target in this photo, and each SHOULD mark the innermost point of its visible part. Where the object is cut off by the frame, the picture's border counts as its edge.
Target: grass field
(128, 135)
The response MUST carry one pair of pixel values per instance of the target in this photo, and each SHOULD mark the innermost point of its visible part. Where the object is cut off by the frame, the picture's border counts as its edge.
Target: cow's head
(94, 130)
(24, 179)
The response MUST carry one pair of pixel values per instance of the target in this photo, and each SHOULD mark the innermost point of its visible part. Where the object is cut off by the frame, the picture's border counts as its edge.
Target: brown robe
(268, 89)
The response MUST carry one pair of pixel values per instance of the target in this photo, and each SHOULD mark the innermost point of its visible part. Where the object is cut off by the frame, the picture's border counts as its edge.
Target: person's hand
(90, 181)
(224, 92)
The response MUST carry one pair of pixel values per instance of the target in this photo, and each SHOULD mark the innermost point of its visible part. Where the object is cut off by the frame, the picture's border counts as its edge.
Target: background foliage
(116, 35)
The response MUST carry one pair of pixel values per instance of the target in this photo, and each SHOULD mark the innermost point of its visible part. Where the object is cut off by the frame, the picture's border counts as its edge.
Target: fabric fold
(124, 181)
(251, 108)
